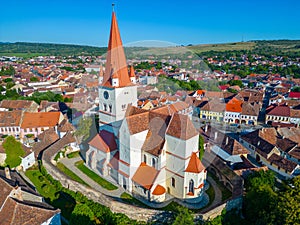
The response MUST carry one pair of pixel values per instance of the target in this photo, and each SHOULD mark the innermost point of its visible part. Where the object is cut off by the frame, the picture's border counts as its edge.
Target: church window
(191, 186)
(173, 182)
(153, 162)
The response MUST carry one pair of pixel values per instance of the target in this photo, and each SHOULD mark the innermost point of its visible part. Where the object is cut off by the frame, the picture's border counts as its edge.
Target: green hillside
(276, 47)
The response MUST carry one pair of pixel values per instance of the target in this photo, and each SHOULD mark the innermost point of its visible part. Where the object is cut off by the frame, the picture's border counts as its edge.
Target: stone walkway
(70, 164)
(218, 193)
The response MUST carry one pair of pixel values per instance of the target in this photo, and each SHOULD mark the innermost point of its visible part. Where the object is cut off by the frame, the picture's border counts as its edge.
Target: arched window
(153, 162)
(110, 108)
(173, 182)
(191, 186)
(145, 159)
(105, 107)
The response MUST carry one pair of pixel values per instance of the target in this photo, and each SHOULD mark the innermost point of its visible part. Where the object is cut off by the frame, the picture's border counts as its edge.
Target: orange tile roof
(145, 176)
(104, 141)
(116, 65)
(99, 143)
(40, 119)
(234, 105)
(132, 74)
(195, 165)
(159, 190)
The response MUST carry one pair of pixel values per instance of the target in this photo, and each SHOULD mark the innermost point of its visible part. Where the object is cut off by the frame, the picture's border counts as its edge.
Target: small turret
(101, 74)
(132, 75)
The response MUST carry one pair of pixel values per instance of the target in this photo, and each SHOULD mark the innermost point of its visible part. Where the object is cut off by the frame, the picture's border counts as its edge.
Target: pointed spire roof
(115, 60)
(195, 165)
(101, 73)
(132, 74)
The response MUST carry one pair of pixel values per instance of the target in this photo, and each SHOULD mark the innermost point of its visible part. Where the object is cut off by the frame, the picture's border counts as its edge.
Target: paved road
(70, 164)
(218, 193)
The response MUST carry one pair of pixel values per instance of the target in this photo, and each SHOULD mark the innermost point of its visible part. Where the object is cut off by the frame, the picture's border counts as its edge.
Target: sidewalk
(70, 164)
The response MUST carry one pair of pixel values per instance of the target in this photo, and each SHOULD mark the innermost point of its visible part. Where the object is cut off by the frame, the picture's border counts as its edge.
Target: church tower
(117, 90)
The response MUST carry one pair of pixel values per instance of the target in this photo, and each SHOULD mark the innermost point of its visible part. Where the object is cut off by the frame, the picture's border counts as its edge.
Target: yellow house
(213, 110)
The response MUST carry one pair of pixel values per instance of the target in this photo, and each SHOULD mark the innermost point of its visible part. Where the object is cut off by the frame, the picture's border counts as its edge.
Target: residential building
(20, 204)
(273, 150)
(213, 110)
(36, 123)
(10, 122)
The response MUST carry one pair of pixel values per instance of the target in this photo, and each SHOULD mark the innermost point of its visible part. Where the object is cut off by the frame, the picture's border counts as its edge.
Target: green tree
(261, 199)
(289, 203)
(9, 85)
(14, 151)
(236, 82)
(183, 216)
(84, 128)
(296, 89)
(201, 146)
(34, 79)
(81, 214)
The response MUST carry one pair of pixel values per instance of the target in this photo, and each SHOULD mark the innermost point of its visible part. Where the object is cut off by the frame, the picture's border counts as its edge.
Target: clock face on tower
(105, 94)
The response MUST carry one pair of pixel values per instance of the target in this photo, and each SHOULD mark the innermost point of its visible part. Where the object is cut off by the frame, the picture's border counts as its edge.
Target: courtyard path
(70, 164)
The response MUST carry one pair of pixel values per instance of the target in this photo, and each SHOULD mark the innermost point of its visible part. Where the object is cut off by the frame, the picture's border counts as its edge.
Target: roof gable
(181, 127)
(195, 165)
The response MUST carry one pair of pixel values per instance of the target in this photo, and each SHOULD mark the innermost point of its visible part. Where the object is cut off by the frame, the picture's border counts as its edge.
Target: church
(150, 153)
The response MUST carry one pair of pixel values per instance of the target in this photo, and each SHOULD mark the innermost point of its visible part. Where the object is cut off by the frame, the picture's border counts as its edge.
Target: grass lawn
(73, 155)
(211, 194)
(43, 186)
(70, 174)
(226, 194)
(95, 177)
(57, 156)
(51, 194)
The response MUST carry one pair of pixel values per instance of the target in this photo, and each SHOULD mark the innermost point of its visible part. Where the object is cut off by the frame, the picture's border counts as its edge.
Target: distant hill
(25, 49)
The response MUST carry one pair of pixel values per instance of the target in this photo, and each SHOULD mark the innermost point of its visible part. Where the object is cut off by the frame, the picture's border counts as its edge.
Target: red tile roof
(181, 127)
(159, 190)
(294, 95)
(195, 165)
(281, 110)
(145, 176)
(40, 119)
(104, 141)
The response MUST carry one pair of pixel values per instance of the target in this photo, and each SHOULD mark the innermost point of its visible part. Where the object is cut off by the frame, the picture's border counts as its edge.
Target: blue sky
(180, 22)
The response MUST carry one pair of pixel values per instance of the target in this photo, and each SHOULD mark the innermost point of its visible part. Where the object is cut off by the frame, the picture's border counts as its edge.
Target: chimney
(17, 193)
(7, 173)
(216, 135)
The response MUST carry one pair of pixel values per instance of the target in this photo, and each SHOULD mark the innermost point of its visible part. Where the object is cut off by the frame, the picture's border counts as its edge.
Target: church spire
(115, 60)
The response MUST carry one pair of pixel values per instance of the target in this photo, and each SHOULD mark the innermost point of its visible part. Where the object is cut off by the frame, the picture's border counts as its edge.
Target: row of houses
(235, 111)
